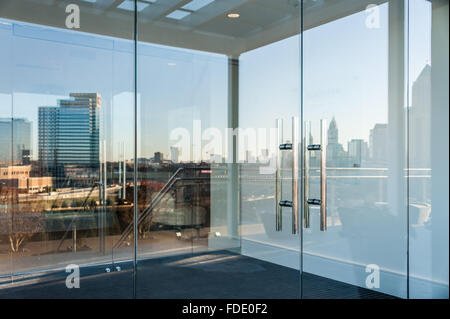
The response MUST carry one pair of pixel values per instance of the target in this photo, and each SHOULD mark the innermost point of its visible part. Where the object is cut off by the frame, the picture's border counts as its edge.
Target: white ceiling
(207, 29)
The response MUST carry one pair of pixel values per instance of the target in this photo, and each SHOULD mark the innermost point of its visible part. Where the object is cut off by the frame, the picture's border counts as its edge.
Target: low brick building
(19, 177)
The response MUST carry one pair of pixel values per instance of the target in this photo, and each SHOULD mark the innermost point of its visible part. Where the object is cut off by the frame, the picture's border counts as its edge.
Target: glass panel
(428, 148)
(354, 78)
(70, 86)
(6, 189)
(200, 190)
(262, 89)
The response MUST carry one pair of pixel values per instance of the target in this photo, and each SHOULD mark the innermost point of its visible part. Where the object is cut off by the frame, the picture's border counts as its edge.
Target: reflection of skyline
(359, 153)
(209, 70)
(194, 88)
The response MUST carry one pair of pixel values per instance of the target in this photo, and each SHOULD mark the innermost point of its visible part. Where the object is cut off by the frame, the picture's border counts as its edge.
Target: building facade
(15, 138)
(69, 133)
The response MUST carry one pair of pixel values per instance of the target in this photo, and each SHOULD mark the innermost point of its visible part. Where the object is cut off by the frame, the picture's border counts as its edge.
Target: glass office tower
(69, 135)
(224, 149)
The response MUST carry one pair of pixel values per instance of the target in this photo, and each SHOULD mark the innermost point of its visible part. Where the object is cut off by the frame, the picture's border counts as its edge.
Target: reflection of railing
(72, 222)
(155, 202)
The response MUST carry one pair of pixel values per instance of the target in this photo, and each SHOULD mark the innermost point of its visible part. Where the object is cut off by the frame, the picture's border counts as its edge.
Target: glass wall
(67, 102)
(199, 169)
(428, 148)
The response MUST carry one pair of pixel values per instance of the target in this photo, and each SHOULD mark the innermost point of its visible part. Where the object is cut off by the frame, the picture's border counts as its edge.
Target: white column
(396, 110)
(233, 193)
(439, 146)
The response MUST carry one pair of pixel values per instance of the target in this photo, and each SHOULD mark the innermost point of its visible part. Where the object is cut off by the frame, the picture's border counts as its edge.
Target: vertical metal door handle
(295, 144)
(278, 182)
(306, 219)
(322, 202)
(323, 175)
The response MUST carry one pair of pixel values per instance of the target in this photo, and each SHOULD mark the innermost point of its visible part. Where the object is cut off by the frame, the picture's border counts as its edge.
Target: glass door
(354, 114)
(213, 77)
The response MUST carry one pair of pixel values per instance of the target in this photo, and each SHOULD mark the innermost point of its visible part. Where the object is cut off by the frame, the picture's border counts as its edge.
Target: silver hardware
(322, 202)
(285, 203)
(323, 175)
(306, 219)
(295, 138)
(278, 182)
(278, 192)
(285, 146)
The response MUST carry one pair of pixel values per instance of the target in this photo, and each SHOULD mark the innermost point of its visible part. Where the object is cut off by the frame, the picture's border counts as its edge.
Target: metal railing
(72, 222)
(155, 202)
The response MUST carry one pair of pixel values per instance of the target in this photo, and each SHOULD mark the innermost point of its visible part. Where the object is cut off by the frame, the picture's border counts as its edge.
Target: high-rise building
(419, 117)
(378, 142)
(69, 133)
(26, 157)
(47, 133)
(357, 151)
(336, 156)
(159, 157)
(333, 132)
(15, 137)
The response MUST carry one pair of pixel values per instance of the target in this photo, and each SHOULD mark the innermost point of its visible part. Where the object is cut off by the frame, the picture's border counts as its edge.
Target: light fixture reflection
(233, 15)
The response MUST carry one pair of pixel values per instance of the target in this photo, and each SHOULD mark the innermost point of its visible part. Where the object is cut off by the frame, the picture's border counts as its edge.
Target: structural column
(233, 189)
(439, 147)
(396, 110)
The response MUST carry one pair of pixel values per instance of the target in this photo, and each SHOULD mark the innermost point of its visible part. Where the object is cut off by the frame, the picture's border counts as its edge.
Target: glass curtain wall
(66, 121)
(209, 90)
(354, 204)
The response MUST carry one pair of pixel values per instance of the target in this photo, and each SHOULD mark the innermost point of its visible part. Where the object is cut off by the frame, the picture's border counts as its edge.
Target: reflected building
(378, 143)
(336, 156)
(69, 134)
(158, 157)
(419, 116)
(19, 178)
(357, 152)
(420, 144)
(15, 140)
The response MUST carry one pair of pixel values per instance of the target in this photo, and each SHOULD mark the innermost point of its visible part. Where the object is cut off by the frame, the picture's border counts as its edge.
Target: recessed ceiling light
(233, 15)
